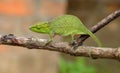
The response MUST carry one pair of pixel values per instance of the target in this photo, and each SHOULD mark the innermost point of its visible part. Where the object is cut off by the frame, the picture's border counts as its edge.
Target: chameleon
(64, 25)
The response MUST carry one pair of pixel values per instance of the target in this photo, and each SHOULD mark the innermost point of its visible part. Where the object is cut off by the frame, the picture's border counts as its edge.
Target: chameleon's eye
(38, 26)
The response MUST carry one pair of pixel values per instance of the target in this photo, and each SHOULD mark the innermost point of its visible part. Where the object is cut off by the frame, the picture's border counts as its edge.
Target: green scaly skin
(64, 25)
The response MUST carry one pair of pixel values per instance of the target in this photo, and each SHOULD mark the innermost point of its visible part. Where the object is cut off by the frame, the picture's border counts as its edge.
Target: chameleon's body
(64, 25)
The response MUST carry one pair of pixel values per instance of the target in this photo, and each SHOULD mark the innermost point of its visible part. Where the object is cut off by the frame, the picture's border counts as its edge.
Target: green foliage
(77, 66)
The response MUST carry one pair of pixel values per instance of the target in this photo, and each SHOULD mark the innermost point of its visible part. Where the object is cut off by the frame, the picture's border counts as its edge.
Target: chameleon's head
(40, 27)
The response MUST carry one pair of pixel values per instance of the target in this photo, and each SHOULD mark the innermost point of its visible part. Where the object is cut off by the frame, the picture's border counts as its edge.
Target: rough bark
(63, 47)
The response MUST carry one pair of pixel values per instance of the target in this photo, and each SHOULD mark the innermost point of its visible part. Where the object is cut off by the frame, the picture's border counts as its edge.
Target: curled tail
(94, 38)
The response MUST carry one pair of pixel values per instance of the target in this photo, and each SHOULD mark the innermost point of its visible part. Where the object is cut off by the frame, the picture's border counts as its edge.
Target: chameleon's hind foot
(73, 49)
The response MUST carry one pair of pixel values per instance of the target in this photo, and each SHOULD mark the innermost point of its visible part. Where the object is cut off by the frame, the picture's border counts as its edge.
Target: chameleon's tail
(94, 38)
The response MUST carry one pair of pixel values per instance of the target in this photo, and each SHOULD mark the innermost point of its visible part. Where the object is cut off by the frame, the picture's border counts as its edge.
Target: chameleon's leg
(73, 41)
(72, 37)
(51, 36)
(72, 47)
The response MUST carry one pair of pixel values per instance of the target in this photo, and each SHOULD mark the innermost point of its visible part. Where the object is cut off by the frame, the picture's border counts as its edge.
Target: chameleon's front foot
(48, 42)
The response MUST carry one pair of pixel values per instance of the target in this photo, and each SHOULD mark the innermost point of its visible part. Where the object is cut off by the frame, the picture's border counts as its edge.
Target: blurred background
(17, 15)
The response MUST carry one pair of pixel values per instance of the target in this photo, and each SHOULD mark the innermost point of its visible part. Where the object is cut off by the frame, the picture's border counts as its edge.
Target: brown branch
(79, 41)
(64, 47)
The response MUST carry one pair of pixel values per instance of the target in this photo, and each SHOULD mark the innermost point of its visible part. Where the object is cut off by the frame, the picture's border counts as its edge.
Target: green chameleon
(65, 25)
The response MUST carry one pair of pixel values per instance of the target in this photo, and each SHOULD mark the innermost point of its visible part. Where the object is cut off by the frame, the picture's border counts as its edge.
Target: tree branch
(79, 41)
(64, 47)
